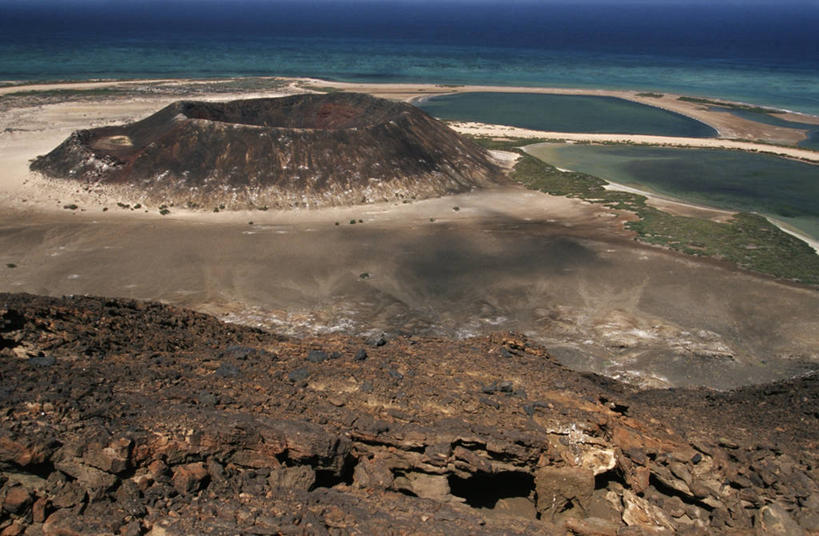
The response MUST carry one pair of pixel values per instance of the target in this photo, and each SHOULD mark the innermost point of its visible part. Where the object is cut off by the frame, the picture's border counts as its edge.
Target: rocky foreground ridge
(303, 150)
(121, 417)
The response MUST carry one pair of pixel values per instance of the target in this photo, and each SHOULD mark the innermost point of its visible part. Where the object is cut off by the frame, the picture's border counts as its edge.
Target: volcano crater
(303, 150)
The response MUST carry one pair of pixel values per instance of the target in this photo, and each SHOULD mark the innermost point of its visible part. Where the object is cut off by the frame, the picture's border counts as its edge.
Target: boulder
(427, 486)
(112, 458)
(773, 519)
(592, 526)
(189, 478)
(17, 500)
(640, 513)
(562, 489)
(373, 474)
(95, 482)
(298, 478)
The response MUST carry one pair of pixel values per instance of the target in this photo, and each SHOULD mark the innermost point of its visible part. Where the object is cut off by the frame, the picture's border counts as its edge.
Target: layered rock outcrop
(138, 418)
(303, 150)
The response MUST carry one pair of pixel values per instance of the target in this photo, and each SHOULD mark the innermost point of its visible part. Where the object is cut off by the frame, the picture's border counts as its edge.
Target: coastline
(684, 208)
(56, 121)
(795, 233)
(483, 129)
(728, 125)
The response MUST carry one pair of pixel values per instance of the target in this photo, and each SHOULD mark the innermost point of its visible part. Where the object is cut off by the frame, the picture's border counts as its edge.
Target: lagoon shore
(504, 131)
(37, 117)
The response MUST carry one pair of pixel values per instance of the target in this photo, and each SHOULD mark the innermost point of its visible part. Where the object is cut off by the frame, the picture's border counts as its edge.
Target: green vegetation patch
(66, 93)
(652, 95)
(748, 240)
(322, 89)
(732, 105)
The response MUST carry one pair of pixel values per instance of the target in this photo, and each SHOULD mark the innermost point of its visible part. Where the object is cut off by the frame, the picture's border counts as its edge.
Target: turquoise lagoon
(564, 113)
(784, 189)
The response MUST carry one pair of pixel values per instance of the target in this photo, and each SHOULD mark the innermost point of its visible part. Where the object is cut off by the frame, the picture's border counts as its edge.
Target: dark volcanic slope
(132, 418)
(304, 150)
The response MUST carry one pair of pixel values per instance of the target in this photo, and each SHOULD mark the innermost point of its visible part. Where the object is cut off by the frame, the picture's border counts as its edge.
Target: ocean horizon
(759, 53)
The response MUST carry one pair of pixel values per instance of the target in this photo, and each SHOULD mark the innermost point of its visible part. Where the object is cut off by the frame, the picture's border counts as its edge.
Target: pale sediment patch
(674, 206)
(505, 159)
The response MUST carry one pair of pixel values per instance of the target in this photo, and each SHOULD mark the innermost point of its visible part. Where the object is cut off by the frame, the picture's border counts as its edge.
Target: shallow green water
(564, 113)
(784, 189)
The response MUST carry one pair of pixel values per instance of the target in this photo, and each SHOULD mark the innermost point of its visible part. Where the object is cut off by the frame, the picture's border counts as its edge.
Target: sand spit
(727, 124)
(502, 131)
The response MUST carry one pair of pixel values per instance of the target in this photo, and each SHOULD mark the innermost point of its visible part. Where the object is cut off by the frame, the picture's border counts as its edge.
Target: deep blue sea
(761, 52)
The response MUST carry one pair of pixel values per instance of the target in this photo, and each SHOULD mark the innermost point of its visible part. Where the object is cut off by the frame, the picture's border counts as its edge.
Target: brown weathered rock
(639, 479)
(189, 478)
(406, 456)
(373, 473)
(17, 500)
(598, 460)
(428, 486)
(592, 526)
(640, 513)
(644, 531)
(157, 469)
(14, 529)
(562, 489)
(39, 510)
(23, 453)
(14, 451)
(70, 494)
(128, 498)
(134, 528)
(111, 459)
(299, 478)
(94, 481)
(773, 519)
(516, 506)
(68, 523)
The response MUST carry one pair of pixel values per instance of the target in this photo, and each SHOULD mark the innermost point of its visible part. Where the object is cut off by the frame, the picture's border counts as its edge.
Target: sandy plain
(562, 270)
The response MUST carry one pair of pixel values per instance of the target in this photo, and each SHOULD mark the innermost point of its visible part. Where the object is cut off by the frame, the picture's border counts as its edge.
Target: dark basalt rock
(133, 430)
(304, 150)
